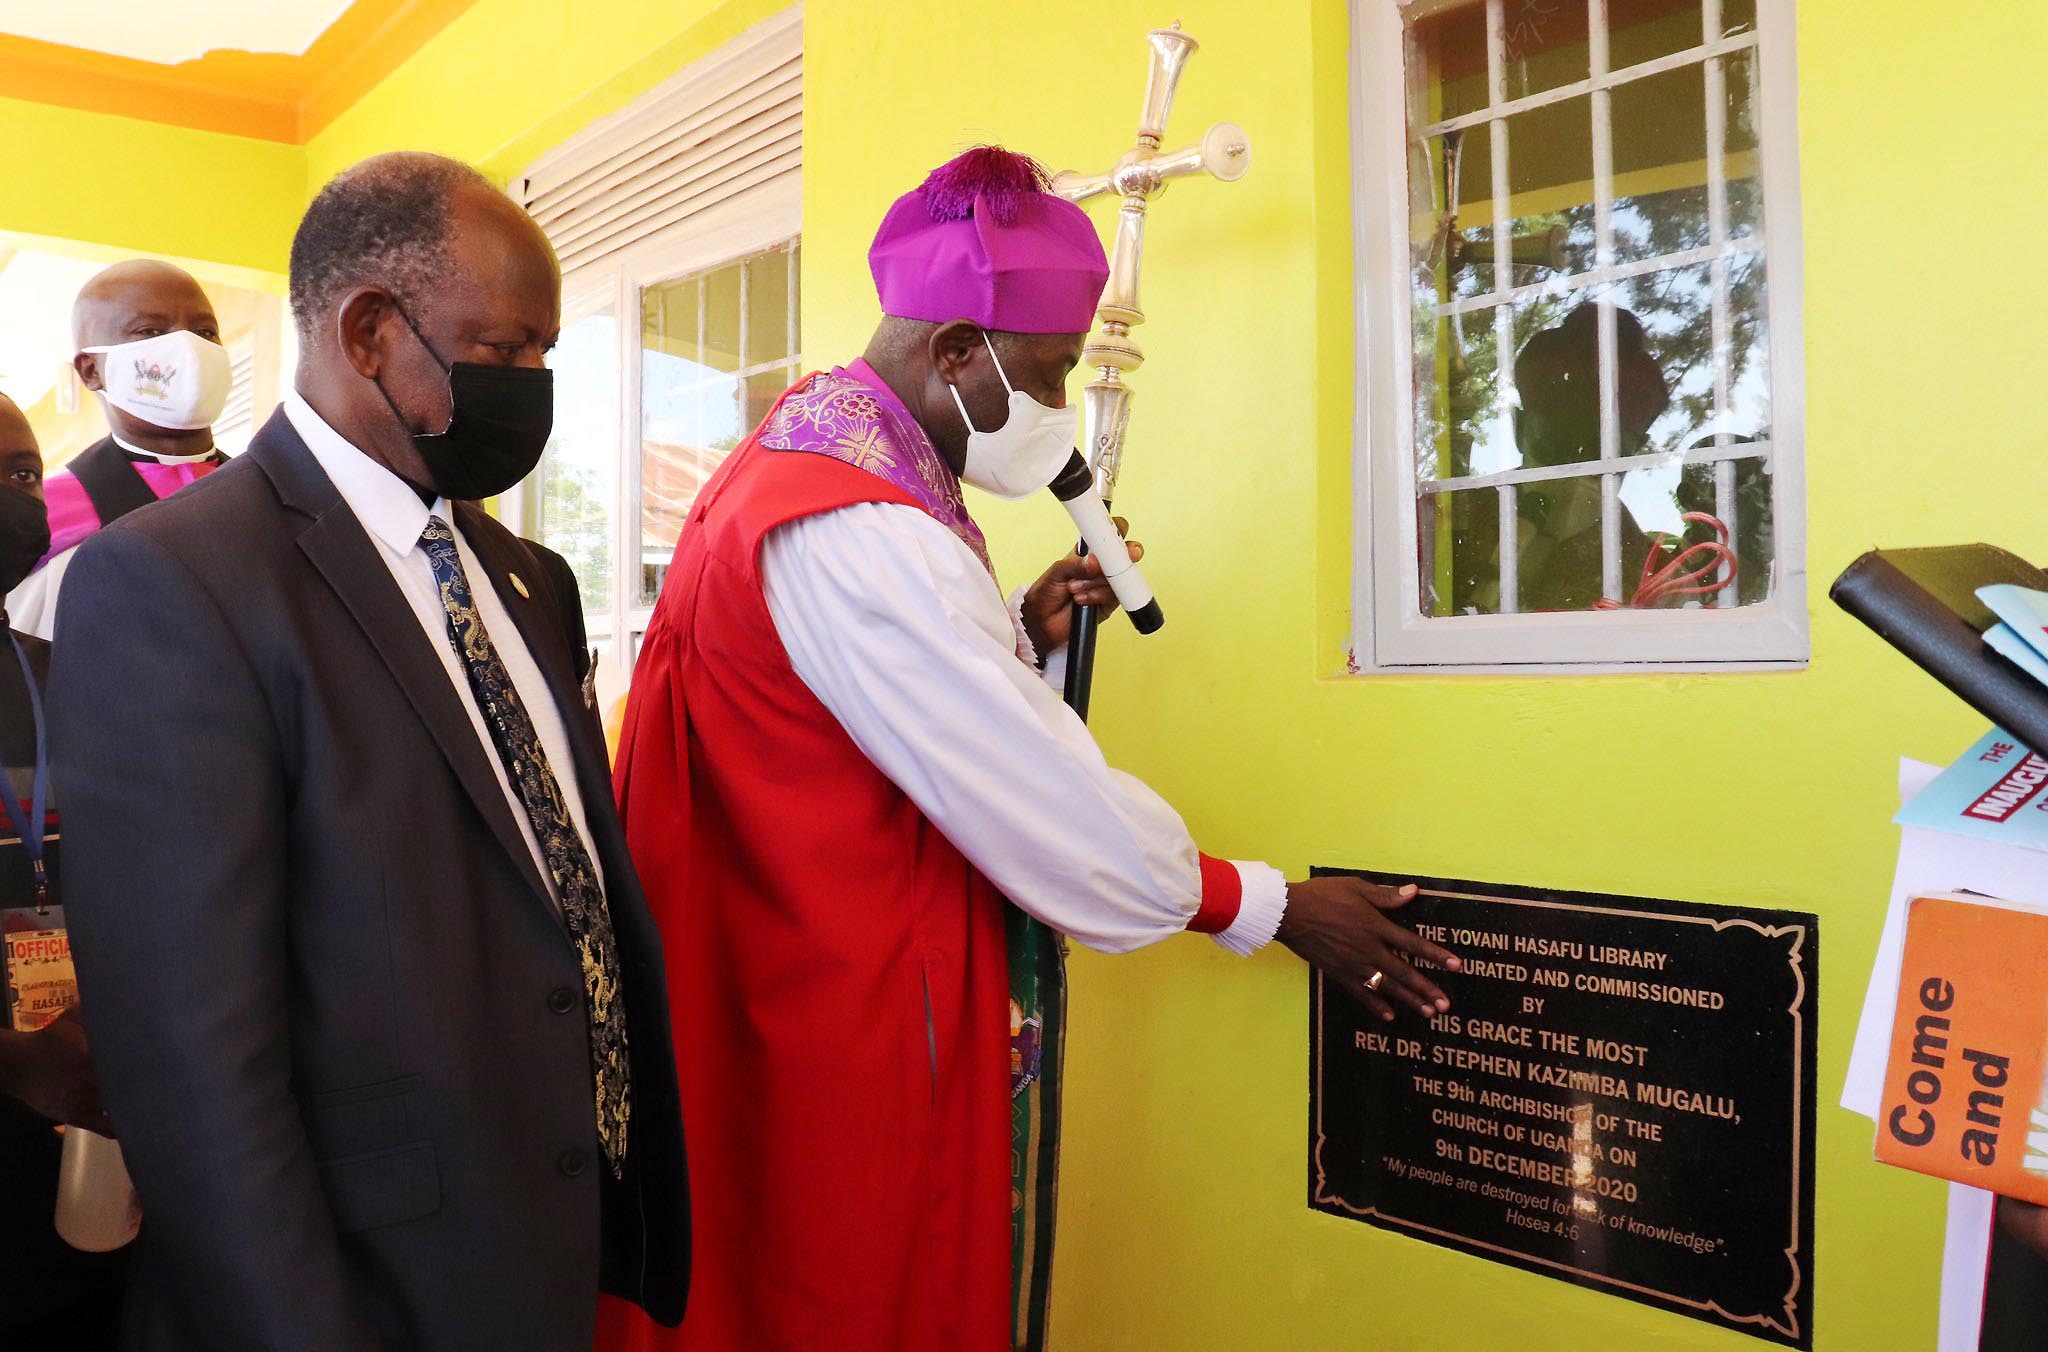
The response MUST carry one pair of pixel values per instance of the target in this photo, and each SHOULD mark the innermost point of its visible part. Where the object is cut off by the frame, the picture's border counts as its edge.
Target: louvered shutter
(237, 420)
(722, 136)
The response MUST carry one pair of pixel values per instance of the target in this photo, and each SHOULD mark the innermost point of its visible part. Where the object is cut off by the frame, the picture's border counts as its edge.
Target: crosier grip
(1075, 487)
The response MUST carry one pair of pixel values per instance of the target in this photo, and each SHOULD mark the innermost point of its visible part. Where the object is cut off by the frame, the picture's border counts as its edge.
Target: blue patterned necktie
(583, 905)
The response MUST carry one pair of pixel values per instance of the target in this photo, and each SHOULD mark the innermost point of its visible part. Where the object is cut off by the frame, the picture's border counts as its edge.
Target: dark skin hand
(1337, 925)
(51, 1071)
(142, 298)
(2025, 1222)
(497, 304)
(1048, 605)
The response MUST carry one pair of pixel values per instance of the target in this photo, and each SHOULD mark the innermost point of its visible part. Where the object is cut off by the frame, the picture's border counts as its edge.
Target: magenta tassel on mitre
(1001, 179)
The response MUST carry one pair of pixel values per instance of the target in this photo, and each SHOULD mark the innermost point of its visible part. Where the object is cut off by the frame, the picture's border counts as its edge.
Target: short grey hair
(383, 222)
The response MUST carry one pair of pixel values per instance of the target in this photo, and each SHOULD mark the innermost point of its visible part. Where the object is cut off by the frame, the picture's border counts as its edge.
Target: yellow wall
(127, 187)
(1184, 1224)
(510, 79)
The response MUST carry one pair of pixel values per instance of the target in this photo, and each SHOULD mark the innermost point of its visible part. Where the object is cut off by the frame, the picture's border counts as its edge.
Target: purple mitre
(982, 239)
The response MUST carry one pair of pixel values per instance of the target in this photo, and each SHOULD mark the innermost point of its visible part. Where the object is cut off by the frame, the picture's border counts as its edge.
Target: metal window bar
(1759, 451)
(1503, 315)
(1603, 257)
(1619, 272)
(1724, 454)
(1691, 56)
(719, 379)
(1717, 235)
(795, 343)
(746, 322)
(703, 336)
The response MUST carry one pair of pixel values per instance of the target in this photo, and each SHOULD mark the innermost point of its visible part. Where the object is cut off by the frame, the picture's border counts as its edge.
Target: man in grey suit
(377, 1005)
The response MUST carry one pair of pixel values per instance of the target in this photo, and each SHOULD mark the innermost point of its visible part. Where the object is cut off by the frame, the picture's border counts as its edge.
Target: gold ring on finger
(1375, 981)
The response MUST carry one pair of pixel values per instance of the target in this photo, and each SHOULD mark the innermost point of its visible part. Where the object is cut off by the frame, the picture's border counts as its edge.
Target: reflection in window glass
(1543, 47)
(1608, 304)
(577, 482)
(716, 349)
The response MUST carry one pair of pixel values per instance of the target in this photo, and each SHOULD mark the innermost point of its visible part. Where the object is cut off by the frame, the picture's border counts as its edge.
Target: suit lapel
(338, 546)
(498, 550)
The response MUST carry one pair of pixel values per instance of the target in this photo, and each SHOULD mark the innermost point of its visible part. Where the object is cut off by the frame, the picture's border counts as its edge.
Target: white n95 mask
(1027, 452)
(177, 381)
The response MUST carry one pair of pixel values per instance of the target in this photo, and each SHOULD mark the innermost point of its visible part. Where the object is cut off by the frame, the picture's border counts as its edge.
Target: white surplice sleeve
(898, 630)
(32, 606)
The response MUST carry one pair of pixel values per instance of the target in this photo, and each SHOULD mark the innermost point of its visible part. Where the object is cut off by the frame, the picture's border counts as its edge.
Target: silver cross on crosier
(1141, 174)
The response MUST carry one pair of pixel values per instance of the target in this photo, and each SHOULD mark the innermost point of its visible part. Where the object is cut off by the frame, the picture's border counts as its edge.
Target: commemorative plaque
(1621, 1096)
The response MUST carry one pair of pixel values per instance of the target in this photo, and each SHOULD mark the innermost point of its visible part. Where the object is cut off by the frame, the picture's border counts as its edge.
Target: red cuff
(1222, 894)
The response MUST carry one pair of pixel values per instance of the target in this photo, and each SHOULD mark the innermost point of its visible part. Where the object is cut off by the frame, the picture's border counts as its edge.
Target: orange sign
(1963, 1096)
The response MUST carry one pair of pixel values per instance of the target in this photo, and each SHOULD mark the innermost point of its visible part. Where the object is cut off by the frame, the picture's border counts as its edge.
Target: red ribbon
(1664, 578)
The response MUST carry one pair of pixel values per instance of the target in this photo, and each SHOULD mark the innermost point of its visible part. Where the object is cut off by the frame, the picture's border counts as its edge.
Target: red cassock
(837, 972)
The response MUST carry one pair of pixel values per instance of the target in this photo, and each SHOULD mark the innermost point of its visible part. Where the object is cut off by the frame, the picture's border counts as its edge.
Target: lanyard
(30, 827)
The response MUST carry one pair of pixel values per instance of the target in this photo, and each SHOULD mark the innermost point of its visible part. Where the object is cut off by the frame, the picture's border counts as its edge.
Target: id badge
(41, 983)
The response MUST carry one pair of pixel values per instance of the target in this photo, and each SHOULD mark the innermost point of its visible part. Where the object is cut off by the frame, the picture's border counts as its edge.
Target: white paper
(2024, 609)
(1937, 861)
(1863, 1088)
(1965, 1257)
(2007, 643)
(1929, 861)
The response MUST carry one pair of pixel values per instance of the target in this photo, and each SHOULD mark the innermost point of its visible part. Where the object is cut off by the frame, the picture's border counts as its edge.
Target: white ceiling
(170, 31)
(36, 291)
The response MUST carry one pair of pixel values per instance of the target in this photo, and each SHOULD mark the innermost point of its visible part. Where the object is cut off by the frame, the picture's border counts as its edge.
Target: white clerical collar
(160, 459)
(385, 504)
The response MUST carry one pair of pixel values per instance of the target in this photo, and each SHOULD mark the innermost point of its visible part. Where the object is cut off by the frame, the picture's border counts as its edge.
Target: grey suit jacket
(339, 1026)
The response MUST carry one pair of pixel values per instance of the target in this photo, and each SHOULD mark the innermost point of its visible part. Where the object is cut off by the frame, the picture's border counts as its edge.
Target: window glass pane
(1660, 164)
(1737, 16)
(1550, 173)
(763, 389)
(1447, 55)
(1669, 510)
(1557, 381)
(1741, 163)
(1557, 554)
(768, 306)
(577, 485)
(1672, 315)
(1665, 401)
(701, 394)
(1643, 30)
(722, 319)
(1553, 413)
(1543, 46)
(1685, 368)
(1549, 210)
(1459, 429)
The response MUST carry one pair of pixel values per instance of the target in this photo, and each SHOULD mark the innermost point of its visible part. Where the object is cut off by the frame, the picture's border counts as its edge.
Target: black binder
(1924, 603)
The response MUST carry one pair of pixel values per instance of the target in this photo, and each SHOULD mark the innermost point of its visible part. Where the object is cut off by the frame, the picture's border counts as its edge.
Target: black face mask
(502, 417)
(24, 536)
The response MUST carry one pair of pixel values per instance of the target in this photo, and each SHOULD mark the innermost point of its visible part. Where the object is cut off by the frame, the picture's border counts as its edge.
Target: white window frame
(1390, 632)
(766, 217)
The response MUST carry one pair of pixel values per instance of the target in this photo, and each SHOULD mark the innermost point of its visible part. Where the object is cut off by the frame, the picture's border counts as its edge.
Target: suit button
(561, 999)
(572, 1163)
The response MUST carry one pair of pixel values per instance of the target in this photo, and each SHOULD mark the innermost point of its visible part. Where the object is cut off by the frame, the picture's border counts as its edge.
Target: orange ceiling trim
(94, 82)
(361, 49)
(268, 96)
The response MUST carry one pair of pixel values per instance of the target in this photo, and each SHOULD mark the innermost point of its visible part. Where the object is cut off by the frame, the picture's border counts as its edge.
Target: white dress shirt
(32, 606)
(897, 628)
(393, 515)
